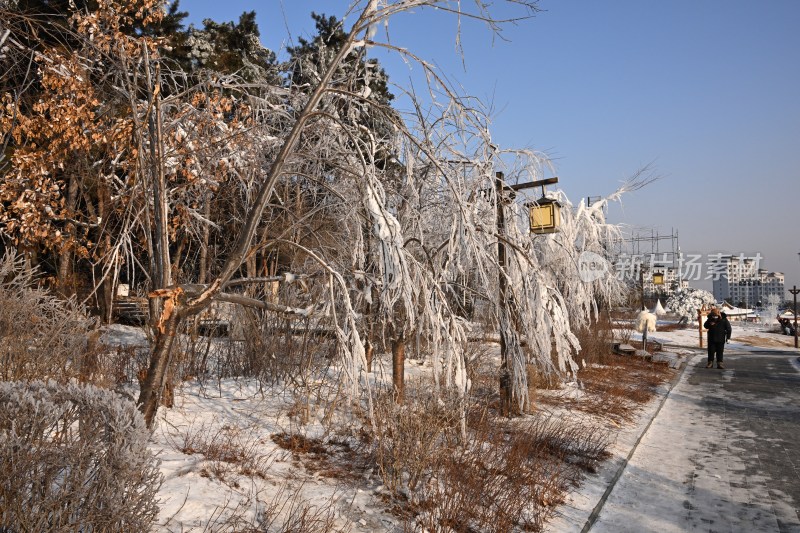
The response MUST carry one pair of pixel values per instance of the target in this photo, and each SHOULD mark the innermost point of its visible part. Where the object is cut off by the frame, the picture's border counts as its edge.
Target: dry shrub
(541, 380)
(285, 511)
(226, 449)
(277, 349)
(623, 323)
(507, 477)
(194, 354)
(124, 362)
(272, 349)
(485, 383)
(477, 358)
(451, 469)
(616, 391)
(44, 337)
(74, 458)
(596, 341)
(410, 438)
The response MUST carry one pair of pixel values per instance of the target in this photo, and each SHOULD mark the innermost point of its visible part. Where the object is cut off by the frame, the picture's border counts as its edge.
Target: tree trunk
(506, 393)
(107, 292)
(369, 352)
(398, 367)
(153, 386)
(201, 277)
(65, 254)
(251, 266)
(176, 261)
(109, 283)
(163, 275)
(104, 294)
(160, 264)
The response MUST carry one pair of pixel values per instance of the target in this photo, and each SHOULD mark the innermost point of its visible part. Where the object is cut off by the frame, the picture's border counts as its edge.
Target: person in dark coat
(724, 316)
(719, 331)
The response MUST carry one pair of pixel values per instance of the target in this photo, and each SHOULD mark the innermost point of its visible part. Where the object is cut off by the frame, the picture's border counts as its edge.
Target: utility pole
(506, 392)
(794, 290)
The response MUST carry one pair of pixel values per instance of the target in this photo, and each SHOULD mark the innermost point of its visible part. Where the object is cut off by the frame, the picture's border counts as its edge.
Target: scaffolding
(653, 253)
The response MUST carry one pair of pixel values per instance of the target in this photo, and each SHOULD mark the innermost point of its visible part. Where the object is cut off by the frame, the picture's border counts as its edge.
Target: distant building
(738, 313)
(739, 280)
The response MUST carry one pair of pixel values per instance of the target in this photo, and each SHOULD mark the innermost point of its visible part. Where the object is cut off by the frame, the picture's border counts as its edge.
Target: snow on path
(658, 456)
(690, 473)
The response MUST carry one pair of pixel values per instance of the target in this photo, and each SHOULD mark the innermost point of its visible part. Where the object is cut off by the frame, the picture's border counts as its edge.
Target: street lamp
(545, 215)
(794, 290)
(541, 222)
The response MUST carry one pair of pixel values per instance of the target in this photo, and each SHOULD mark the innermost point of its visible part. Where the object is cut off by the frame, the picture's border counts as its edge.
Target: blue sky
(706, 91)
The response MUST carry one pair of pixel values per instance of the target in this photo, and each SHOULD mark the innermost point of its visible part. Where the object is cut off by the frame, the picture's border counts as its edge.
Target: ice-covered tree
(317, 129)
(771, 309)
(395, 214)
(686, 302)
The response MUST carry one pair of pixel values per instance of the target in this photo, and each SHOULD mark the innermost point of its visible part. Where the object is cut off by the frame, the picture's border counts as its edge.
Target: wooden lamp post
(702, 312)
(545, 221)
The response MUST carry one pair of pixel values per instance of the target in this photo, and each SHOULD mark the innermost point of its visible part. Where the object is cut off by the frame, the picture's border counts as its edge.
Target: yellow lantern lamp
(545, 215)
(658, 278)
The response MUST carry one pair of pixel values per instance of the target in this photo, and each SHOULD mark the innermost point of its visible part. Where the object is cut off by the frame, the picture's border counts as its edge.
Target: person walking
(719, 331)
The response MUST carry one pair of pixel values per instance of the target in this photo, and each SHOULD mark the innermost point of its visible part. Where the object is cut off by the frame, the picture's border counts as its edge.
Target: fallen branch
(252, 302)
(287, 277)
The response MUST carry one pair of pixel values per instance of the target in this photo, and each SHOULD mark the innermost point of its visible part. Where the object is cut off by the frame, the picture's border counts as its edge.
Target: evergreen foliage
(310, 58)
(229, 48)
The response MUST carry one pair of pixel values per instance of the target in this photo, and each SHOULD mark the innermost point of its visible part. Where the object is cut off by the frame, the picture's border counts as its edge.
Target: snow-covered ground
(226, 466)
(745, 334)
(222, 466)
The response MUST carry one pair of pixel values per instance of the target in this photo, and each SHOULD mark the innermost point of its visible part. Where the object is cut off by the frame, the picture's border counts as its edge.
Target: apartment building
(740, 280)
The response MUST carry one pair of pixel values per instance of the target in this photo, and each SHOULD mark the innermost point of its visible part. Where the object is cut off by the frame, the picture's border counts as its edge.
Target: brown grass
(444, 472)
(674, 326)
(615, 391)
(777, 341)
(482, 472)
(505, 476)
(332, 458)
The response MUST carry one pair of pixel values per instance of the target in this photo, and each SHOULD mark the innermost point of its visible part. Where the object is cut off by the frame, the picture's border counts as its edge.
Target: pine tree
(312, 57)
(231, 48)
(363, 77)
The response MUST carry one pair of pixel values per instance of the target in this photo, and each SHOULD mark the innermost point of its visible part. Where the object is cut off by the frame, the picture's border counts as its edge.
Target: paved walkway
(722, 454)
